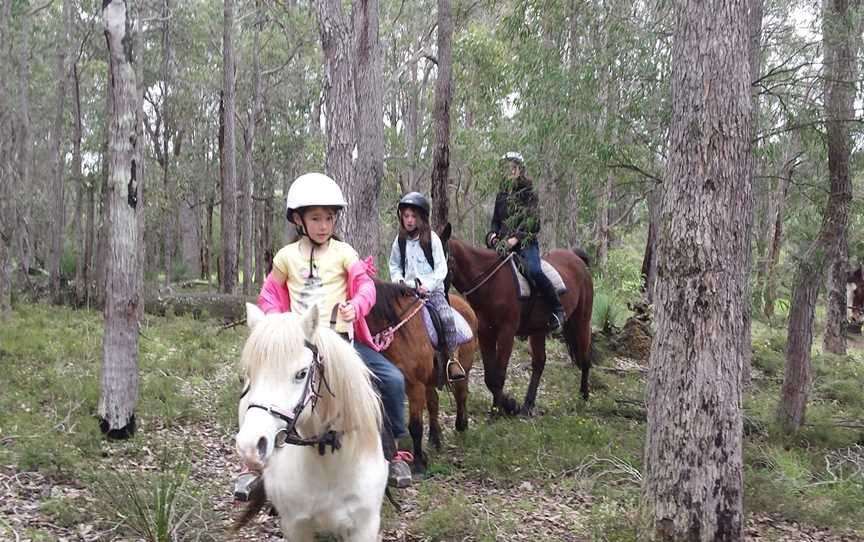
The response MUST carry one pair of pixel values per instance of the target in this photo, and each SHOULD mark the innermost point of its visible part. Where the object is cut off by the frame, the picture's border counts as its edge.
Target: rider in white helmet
(319, 269)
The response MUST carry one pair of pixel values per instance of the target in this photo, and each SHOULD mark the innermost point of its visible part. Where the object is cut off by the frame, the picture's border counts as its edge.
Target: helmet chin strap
(315, 244)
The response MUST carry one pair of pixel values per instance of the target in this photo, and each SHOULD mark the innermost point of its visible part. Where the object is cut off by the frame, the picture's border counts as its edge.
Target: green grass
(49, 362)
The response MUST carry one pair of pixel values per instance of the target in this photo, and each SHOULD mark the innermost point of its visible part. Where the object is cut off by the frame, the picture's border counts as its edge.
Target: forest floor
(570, 473)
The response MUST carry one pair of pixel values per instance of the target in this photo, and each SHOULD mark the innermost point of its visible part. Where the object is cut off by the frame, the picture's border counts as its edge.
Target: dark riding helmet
(415, 199)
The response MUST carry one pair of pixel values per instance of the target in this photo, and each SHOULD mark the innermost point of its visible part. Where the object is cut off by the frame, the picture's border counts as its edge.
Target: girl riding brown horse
(412, 352)
(491, 289)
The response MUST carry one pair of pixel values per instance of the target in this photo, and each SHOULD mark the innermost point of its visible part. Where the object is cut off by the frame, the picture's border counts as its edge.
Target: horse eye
(301, 374)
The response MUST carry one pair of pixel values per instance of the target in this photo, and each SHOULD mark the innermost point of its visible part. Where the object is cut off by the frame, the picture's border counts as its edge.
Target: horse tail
(257, 500)
(582, 254)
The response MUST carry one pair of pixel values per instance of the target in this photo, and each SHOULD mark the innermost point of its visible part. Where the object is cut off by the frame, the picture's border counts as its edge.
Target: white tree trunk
(119, 374)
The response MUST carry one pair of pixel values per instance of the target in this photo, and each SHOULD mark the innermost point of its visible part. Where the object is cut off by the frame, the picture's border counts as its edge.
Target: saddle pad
(463, 330)
(524, 289)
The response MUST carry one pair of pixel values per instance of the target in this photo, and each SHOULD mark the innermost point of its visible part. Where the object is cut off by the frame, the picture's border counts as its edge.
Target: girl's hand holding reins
(347, 312)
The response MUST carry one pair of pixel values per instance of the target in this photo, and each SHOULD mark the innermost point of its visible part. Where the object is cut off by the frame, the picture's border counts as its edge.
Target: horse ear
(310, 322)
(446, 232)
(254, 315)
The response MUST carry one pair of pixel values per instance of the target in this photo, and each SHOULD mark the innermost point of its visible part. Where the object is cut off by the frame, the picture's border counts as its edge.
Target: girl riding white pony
(310, 421)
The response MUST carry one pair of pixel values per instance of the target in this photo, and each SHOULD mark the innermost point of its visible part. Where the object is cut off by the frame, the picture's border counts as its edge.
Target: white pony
(310, 420)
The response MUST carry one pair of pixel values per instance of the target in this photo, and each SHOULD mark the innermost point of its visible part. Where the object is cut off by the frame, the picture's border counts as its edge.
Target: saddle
(525, 287)
(435, 329)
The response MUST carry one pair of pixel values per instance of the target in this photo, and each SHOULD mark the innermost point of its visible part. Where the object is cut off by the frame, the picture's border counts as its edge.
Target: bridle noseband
(311, 393)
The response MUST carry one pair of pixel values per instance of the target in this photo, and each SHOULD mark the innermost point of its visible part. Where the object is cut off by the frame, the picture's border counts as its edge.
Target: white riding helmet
(314, 189)
(514, 156)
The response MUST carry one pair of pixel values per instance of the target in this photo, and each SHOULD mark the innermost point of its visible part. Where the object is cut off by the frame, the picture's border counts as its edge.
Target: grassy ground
(571, 473)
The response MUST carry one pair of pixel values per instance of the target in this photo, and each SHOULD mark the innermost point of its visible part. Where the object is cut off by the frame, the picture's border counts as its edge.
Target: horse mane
(386, 295)
(348, 402)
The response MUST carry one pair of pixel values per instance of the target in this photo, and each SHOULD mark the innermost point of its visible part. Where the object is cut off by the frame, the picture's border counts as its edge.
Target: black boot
(547, 290)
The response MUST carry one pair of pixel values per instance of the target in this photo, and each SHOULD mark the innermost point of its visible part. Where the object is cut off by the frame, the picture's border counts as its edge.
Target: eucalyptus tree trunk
(25, 147)
(841, 32)
(443, 99)
(840, 45)
(334, 28)
(119, 374)
(58, 191)
(693, 481)
(369, 167)
(80, 187)
(774, 236)
(649, 260)
(171, 209)
(105, 214)
(8, 216)
(228, 211)
(247, 179)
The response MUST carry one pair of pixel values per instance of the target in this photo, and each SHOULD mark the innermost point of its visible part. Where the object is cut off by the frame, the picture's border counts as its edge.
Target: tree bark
(649, 260)
(8, 216)
(775, 223)
(443, 99)
(247, 187)
(25, 149)
(80, 187)
(228, 212)
(341, 104)
(58, 195)
(693, 480)
(171, 209)
(369, 167)
(840, 45)
(119, 374)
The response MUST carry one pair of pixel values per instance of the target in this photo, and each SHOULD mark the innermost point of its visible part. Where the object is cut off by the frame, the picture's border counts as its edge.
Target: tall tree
(341, 105)
(693, 483)
(369, 88)
(58, 192)
(443, 98)
(247, 179)
(119, 374)
(840, 35)
(228, 212)
(8, 216)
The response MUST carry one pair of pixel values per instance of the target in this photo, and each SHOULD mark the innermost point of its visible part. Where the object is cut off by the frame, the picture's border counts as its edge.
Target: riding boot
(547, 290)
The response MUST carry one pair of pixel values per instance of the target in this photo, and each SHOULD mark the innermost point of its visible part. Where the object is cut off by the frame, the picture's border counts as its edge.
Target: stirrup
(458, 377)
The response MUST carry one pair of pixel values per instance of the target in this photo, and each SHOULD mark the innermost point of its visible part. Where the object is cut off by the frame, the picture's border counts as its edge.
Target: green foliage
(158, 508)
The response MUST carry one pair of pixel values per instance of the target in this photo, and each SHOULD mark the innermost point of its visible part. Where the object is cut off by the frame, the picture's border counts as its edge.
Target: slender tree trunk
(841, 47)
(228, 212)
(693, 480)
(443, 99)
(775, 232)
(58, 192)
(119, 374)
(252, 116)
(80, 187)
(171, 209)
(649, 261)
(341, 104)
(369, 167)
(8, 216)
(25, 149)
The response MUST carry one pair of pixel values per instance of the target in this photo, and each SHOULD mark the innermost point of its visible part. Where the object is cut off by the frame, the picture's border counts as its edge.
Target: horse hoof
(526, 411)
(435, 442)
(510, 406)
(461, 424)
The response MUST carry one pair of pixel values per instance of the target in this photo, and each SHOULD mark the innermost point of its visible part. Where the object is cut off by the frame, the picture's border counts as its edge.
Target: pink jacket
(274, 297)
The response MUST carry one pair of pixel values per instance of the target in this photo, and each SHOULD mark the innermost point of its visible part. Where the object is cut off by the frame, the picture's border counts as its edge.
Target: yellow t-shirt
(326, 286)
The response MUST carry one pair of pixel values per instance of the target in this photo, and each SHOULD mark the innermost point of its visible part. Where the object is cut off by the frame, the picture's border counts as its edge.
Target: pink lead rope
(382, 340)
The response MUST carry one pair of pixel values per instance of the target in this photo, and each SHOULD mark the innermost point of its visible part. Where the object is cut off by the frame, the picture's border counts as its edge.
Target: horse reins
(382, 339)
(488, 274)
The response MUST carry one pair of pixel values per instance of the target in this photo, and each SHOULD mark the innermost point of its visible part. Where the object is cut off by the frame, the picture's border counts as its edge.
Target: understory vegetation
(572, 472)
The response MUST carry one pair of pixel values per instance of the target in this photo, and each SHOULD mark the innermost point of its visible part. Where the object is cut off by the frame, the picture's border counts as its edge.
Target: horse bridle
(311, 393)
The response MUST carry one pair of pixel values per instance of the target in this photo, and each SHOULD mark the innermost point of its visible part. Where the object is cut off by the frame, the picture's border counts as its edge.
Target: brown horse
(412, 352)
(502, 317)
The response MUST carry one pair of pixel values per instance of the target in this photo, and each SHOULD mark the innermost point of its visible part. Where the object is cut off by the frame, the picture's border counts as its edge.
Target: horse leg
(460, 394)
(366, 529)
(434, 425)
(297, 531)
(416, 393)
(538, 363)
(578, 339)
(496, 372)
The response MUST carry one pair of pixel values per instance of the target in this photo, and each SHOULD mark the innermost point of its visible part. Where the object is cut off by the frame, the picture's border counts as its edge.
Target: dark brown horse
(502, 317)
(412, 352)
